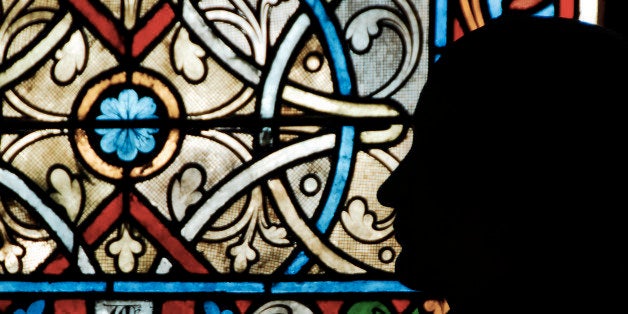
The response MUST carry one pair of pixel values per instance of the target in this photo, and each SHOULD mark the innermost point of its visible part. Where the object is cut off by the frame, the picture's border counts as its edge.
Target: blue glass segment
(548, 11)
(495, 8)
(127, 142)
(440, 20)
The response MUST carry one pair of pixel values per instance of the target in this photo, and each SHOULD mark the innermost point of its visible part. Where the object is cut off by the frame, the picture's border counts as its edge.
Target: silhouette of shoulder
(520, 129)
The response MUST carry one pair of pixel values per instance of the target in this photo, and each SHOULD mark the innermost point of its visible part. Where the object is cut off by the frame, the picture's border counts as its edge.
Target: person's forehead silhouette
(512, 180)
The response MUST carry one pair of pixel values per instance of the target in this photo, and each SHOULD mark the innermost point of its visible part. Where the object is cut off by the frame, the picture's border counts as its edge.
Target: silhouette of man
(512, 197)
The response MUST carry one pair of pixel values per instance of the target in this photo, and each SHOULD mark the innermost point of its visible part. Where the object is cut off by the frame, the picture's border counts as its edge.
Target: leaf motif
(70, 60)
(130, 13)
(67, 191)
(356, 215)
(186, 190)
(188, 57)
(11, 256)
(363, 28)
(211, 307)
(242, 255)
(125, 248)
(360, 222)
(275, 234)
(36, 307)
(369, 307)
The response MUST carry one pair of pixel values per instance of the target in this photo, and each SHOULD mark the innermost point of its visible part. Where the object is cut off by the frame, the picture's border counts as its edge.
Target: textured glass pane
(216, 156)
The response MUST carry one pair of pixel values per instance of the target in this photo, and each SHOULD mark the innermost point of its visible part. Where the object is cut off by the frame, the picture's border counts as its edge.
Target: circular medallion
(123, 124)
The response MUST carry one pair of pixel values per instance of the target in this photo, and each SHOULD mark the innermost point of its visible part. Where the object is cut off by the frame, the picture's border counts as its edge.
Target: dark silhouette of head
(511, 199)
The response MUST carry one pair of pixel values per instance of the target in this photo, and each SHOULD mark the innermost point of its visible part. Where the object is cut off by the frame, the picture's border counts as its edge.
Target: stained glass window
(214, 156)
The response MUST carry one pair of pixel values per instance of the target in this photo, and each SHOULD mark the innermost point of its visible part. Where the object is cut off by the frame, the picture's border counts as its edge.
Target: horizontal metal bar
(8, 125)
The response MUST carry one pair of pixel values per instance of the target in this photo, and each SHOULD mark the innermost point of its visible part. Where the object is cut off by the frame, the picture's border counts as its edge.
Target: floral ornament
(211, 307)
(36, 307)
(10, 255)
(127, 142)
(126, 248)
